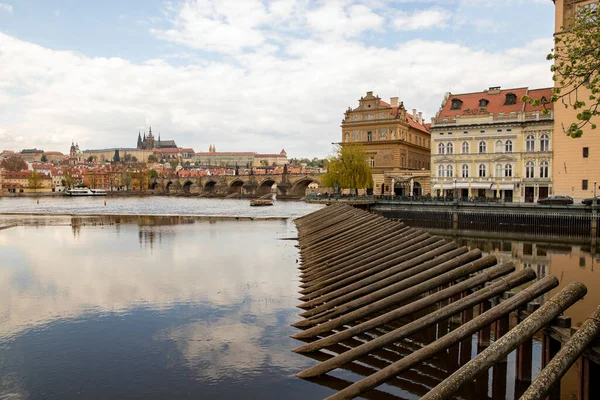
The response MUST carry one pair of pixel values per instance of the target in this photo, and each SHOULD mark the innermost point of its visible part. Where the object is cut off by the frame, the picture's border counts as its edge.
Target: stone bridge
(288, 185)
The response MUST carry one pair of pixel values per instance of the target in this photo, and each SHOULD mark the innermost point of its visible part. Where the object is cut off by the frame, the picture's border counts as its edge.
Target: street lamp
(454, 193)
(595, 201)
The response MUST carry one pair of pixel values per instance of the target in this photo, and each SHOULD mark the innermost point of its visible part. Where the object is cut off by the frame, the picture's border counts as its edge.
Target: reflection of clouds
(103, 270)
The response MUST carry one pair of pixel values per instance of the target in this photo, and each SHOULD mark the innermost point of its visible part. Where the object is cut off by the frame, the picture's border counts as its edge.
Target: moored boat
(261, 202)
(85, 192)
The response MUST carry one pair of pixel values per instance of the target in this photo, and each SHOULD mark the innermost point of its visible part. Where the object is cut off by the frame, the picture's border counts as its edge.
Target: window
(441, 148)
(508, 146)
(584, 184)
(465, 171)
(508, 170)
(441, 171)
(511, 99)
(529, 173)
(498, 170)
(441, 133)
(483, 103)
(544, 142)
(449, 148)
(499, 146)
(481, 131)
(482, 147)
(482, 170)
(465, 132)
(530, 143)
(586, 152)
(465, 147)
(456, 104)
(369, 136)
(544, 167)
(449, 133)
(450, 171)
(509, 130)
(371, 161)
(346, 136)
(499, 130)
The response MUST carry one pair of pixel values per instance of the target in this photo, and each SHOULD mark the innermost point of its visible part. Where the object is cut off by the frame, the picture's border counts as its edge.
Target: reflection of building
(576, 161)
(397, 144)
(148, 142)
(491, 144)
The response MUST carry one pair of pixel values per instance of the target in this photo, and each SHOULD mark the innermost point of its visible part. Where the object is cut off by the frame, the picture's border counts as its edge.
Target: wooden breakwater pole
(356, 303)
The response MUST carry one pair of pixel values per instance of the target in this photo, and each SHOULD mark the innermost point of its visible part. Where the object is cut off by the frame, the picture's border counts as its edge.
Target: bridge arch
(168, 186)
(265, 187)
(187, 186)
(299, 187)
(210, 186)
(153, 185)
(236, 186)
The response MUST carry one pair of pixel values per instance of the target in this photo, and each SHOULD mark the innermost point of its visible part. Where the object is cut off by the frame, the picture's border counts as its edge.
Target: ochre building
(490, 144)
(397, 144)
(576, 161)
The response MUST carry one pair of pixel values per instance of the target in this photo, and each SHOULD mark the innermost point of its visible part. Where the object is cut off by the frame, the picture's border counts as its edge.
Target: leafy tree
(576, 68)
(348, 168)
(13, 163)
(68, 178)
(174, 163)
(153, 174)
(35, 180)
(91, 159)
(127, 158)
(152, 158)
(44, 158)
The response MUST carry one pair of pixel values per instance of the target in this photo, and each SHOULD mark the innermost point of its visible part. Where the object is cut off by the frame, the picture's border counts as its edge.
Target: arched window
(530, 143)
(369, 136)
(499, 146)
(456, 104)
(498, 170)
(450, 148)
(449, 171)
(465, 171)
(544, 142)
(508, 146)
(440, 171)
(441, 148)
(529, 172)
(465, 147)
(508, 170)
(511, 98)
(482, 170)
(482, 147)
(544, 166)
(346, 136)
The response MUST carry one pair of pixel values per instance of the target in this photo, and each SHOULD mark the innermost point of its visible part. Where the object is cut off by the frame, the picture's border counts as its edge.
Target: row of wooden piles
(385, 301)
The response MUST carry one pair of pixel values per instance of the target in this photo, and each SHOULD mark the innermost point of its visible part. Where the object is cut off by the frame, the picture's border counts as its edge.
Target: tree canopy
(348, 168)
(13, 163)
(576, 68)
(35, 180)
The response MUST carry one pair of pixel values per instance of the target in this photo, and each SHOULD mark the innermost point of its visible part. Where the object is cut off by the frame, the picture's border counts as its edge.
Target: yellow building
(397, 144)
(491, 144)
(576, 161)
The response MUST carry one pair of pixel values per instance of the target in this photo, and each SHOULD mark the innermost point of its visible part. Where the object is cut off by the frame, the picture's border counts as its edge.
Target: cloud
(6, 8)
(281, 75)
(422, 19)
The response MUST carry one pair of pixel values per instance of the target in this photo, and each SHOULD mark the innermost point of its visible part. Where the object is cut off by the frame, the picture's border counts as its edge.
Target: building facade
(490, 144)
(397, 144)
(576, 161)
(149, 142)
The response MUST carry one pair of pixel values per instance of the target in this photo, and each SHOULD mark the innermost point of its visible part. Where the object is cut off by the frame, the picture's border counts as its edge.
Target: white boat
(85, 192)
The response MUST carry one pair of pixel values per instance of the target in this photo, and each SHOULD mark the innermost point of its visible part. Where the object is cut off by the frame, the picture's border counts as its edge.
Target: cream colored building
(397, 144)
(576, 161)
(491, 144)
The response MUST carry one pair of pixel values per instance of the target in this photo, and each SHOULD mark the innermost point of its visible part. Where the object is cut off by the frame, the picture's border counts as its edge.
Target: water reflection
(96, 307)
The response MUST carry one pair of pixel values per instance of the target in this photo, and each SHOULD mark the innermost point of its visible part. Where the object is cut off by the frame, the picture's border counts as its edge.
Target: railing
(439, 199)
(342, 197)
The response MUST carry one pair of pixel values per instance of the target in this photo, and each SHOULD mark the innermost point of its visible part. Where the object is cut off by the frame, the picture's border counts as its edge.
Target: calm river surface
(173, 307)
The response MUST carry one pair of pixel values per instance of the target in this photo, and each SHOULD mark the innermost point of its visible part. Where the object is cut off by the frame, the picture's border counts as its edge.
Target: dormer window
(456, 104)
(511, 99)
(483, 103)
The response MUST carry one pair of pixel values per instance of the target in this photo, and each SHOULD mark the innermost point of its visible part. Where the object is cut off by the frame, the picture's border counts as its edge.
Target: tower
(139, 141)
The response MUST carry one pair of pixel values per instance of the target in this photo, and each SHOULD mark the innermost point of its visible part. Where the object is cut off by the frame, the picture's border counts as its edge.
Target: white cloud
(422, 19)
(6, 8)
(272, 88)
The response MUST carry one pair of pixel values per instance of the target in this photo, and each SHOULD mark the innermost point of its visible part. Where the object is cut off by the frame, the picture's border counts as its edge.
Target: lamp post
(595, 200)
(454, 193)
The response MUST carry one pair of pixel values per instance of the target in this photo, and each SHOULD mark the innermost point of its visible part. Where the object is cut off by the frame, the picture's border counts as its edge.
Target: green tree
(91, 159)
(44, 158)
(153, 174)
(13, 163)
(34, 181)
(68, 178)
(117, 157)
(152, 158)
(348, 168)
(576, 68)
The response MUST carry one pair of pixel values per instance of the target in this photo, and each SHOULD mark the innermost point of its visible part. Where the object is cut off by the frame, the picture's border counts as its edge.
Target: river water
(158, 306)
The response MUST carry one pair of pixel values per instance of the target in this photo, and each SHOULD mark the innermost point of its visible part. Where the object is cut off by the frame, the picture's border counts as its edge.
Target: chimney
(394, 102)
(420, 118)
(414, 114)
(369, 94)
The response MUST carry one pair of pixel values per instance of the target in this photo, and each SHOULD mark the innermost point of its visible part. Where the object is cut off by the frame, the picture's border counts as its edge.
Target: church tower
(139, 142)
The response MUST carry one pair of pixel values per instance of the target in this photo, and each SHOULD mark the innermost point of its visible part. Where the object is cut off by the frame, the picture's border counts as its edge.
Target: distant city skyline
(250, 75)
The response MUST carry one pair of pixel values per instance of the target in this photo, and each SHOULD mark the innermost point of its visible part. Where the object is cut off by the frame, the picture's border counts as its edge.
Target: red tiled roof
(538, 94)
(383, 103)
(268, 155)
(496, 102)
(54, 153)
(228, 152)
(415, 124)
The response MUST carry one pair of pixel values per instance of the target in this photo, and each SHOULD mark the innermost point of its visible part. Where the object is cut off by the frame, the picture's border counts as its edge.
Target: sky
(249, 75)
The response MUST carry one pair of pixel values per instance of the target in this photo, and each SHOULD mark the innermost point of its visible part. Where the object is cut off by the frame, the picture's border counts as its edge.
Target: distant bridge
(247, 185)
